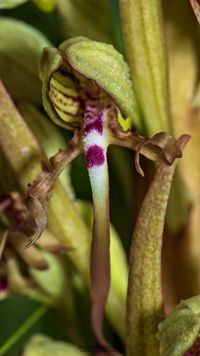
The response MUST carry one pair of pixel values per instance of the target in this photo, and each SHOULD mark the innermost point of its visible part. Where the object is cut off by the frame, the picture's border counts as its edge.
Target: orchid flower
(87, 89)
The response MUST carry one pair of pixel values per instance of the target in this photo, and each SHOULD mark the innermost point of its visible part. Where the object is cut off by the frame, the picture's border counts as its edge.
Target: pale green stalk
(145, 49)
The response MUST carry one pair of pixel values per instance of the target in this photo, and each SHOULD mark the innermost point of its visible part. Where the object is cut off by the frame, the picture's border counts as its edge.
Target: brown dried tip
(163, 144)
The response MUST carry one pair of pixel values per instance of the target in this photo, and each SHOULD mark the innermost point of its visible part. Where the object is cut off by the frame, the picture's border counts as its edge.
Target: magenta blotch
(95, 156)
(95, 125)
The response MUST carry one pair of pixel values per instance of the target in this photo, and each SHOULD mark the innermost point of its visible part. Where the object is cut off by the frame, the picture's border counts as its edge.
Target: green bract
(80, 60)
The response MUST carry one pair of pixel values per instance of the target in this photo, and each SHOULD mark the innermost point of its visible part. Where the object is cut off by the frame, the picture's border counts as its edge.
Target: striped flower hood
(72, 79)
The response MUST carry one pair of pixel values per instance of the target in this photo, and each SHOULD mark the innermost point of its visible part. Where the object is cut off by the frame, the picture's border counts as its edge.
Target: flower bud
(45, 346)
(179, 331)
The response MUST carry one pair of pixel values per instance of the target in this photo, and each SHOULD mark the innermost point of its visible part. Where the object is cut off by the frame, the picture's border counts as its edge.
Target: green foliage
(20, 50)
(9, 4)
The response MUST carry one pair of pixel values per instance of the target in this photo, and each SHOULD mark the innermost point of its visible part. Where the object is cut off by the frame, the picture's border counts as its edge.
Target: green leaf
(9, 4)
(145, 301)
(20, 50)
(145, 49)
(178, 332)
(42, 345)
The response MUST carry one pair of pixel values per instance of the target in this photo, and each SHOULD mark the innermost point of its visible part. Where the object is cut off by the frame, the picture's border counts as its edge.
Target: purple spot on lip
(95, 125)
(95, 156)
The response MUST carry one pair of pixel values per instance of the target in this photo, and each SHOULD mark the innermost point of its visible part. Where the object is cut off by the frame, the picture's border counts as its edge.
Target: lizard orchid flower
(87, 89)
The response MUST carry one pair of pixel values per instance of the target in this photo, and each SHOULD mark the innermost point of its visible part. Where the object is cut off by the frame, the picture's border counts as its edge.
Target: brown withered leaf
(162, 147)
(39, 191)
(196, 7)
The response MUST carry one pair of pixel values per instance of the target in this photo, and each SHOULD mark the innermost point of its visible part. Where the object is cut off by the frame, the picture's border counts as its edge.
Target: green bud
(179, 331)
(42, 345)
(45, 5)
(20, 49)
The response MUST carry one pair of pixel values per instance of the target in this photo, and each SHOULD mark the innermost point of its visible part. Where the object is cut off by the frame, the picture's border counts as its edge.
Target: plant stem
(145, 49)
(33, 319)
(145, 300)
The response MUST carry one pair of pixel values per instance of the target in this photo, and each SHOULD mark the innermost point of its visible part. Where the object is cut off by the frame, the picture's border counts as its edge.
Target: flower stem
(145, 300)
(145, 49)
